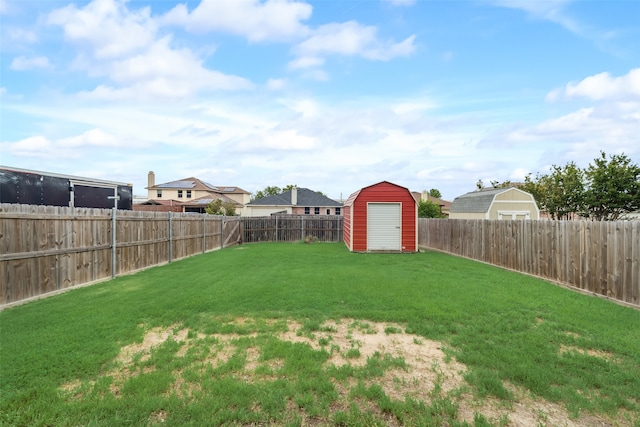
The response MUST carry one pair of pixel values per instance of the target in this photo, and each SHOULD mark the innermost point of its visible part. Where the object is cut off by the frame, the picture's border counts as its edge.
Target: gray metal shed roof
(476, 201)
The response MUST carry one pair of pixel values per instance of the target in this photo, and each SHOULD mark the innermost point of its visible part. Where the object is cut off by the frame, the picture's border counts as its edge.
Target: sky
(331, 95)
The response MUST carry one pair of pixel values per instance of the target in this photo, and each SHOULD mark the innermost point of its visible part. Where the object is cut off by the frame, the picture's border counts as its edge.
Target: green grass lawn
(88, 357)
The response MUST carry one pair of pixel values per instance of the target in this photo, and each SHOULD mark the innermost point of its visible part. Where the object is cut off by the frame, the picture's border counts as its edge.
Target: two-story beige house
(193, 194)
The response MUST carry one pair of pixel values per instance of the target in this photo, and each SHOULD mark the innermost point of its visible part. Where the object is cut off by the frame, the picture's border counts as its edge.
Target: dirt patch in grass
(589, 352)
(424, 361)
(152, 338)
(411, 367)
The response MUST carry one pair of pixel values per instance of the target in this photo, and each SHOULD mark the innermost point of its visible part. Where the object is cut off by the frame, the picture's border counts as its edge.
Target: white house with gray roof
(495, 203)
(297, 201)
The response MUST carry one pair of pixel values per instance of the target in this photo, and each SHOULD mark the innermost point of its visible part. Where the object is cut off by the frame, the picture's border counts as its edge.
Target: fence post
(302, 236)
(204, 233)
(170, 236)
(276, 230)
(113, 242)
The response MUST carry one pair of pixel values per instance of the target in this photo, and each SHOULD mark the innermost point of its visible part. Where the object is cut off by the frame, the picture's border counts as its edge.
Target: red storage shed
(382, 217)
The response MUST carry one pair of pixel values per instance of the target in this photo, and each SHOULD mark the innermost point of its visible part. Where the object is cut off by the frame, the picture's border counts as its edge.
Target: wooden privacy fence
(597, 257)
(45, 249)
(291, 228)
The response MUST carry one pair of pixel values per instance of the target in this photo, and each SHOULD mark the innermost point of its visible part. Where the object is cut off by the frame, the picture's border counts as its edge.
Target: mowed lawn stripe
(508, 329)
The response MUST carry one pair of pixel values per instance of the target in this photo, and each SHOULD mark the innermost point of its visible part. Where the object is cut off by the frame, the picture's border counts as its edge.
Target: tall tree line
(604, 191)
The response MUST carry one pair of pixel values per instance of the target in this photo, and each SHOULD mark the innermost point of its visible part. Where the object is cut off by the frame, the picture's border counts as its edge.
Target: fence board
(598, 257)
(292, 228)
(44, 249)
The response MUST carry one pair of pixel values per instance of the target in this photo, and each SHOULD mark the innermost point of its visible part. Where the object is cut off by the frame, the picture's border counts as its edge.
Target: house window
(159, 194)
(316, 211)
(307, 210)
(188, 194)
(328, 211)
(179, 194)
(337, 211)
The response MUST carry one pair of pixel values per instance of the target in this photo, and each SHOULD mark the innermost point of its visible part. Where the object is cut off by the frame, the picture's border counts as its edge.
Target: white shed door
(384, 232)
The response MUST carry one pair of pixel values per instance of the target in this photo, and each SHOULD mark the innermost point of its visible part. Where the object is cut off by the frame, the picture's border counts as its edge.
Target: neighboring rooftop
(205, 200)
(193, 183)
(476, 201)
(305, 196)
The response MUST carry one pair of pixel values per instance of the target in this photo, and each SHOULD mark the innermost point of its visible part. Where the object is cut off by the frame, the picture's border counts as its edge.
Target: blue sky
(328, 95)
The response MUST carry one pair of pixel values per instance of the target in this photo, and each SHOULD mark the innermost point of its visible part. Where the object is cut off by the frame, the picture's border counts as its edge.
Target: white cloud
(305, 62)
(408, 107)
(315, 74)
(4, 7)
(535, 7)
(20, 35)
(34, 146)
(400, 2)
(602, 87)
(581, 134)
(550, 10)
(305, 107)
(276, 84)
(352, 39)
(22, 63)
(106, 27)
(72, 147)
(555, 11)
(163, 72)
(253, 19)
(270, 139)
(122, 46)
(92, 138)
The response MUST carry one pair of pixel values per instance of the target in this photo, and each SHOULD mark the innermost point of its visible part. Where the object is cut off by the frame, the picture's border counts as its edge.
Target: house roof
(211, 197)
(192, 183)
(165, 202)
(477, 201)
(306, 197)
(438, 201)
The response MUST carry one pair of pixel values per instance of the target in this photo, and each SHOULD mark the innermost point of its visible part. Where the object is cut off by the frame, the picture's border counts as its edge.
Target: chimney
(294, 195)
(151, 179)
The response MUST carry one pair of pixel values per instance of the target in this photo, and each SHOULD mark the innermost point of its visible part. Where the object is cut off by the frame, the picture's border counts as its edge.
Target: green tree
(429, 209)
(505, 184)
(612, 188)
(532, 185)
(434, 192)
(218, 207)
(267, 191)
(271, 190)
(561, 192)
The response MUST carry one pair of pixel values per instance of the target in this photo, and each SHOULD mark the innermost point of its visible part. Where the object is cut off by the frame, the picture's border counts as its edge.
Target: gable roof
(438, 201)
(192, 183)
(478, 201)
(355, 194)
(306, 197)
(158, 202)
(211, 197)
